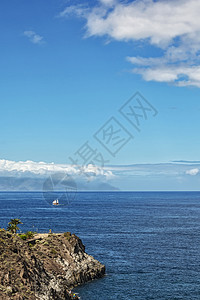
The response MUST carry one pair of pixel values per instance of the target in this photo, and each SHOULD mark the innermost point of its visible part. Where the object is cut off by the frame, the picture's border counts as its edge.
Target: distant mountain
(37, 184)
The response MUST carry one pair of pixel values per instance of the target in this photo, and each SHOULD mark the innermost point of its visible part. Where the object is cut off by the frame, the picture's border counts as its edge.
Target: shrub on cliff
(28, 235)
(22, 236)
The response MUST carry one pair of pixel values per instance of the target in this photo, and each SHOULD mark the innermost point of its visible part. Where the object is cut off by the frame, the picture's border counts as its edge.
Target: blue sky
(68, 66)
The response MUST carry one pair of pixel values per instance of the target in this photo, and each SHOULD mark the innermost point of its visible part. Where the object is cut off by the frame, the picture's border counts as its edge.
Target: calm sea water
(149, 242)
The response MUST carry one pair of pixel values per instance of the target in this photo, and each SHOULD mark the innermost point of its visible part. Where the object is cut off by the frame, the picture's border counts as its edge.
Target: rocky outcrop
(45, 267)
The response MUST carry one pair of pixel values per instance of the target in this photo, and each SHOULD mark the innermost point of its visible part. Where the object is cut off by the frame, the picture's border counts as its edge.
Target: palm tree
(12, 225)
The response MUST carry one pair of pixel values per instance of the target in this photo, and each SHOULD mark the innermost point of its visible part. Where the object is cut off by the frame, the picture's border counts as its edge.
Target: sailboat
(55, 202)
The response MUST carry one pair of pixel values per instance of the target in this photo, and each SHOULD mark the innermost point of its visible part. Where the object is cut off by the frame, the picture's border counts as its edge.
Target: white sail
(55, 202)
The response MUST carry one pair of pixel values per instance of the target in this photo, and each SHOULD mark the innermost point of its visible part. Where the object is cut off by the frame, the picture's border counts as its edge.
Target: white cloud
(159, 21)
(33, 37)
(78, 10)
(173, 26)
(44, 169)
(192, 172)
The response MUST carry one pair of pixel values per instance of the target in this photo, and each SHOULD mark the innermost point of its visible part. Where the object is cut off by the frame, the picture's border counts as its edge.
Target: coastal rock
(45, 267)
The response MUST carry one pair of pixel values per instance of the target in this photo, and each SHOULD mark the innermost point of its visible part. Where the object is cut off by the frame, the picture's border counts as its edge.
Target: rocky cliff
(46, 267)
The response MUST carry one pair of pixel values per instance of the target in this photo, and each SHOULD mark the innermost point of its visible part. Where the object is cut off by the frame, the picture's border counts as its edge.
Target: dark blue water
(149, 242)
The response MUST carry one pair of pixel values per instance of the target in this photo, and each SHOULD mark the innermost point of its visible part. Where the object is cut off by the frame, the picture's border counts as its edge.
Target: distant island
(44, 266)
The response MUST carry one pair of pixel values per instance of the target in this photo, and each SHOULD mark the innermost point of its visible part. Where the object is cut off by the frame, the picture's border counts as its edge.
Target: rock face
(45, 267)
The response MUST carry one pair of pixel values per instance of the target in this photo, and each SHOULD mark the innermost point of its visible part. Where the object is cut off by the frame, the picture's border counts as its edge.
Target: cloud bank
(29, 175)
(45, 169)
(172, 26)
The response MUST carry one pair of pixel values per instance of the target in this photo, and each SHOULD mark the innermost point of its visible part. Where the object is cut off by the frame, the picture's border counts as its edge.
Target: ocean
(149, 241)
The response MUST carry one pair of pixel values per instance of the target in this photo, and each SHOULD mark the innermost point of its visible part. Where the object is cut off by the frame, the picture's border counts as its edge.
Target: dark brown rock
(45, 267)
